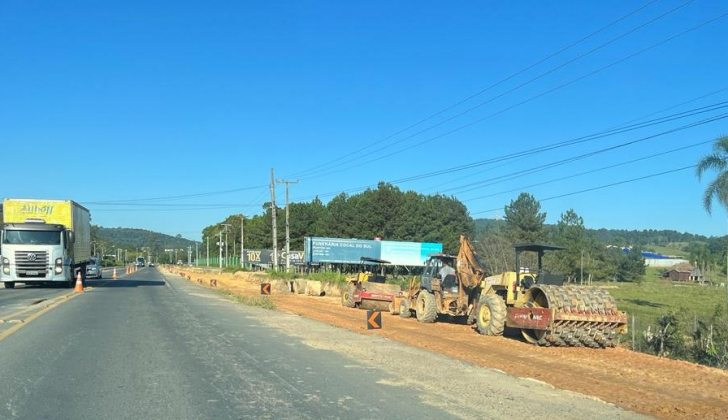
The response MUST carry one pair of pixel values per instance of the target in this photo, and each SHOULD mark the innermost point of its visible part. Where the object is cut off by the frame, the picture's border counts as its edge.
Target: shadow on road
(123, 283)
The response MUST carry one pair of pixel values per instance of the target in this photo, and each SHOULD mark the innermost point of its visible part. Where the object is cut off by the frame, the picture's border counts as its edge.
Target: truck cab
(35, 252)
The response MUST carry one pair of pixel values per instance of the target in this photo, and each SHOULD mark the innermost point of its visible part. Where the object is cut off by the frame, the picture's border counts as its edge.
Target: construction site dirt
(658, 387)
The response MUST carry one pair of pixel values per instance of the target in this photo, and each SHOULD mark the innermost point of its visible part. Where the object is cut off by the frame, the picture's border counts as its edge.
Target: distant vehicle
(179, 262)
(151, 264)
(139, 262)
(44, 241)
(93, 269)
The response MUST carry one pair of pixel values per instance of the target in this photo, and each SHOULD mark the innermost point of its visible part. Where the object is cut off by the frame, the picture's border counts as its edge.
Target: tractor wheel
(490, 315)
(426, 310)
(347, 298)
(404, 309)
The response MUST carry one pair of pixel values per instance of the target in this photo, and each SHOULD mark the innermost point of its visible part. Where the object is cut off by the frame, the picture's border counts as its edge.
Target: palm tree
(718, 187)
(716, 161)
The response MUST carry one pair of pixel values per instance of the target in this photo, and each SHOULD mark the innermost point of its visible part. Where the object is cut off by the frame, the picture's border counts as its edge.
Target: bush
(667, 340)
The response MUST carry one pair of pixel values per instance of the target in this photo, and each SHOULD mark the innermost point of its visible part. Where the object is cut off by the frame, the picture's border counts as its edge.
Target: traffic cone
(79, 284)
(113, 276)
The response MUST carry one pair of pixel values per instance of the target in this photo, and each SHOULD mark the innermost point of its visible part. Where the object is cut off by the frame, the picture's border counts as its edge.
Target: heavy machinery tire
(347, 298)
(9, 284)
(404, 309)
(490, 315)
(393, 309)
(426, 310)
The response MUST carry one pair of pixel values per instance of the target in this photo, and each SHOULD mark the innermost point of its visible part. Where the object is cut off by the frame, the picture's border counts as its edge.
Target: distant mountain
(615, 236)
(136, 238)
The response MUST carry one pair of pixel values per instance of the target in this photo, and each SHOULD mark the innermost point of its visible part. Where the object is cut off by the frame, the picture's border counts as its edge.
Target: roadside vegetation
(257, 301)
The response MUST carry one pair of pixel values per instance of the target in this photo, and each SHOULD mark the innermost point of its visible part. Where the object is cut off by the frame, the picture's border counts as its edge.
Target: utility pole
(273, 215)
(207, 255)
(288, 238)
(242, 241)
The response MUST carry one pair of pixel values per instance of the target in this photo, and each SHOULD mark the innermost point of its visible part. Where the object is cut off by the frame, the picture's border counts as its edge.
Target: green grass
(646, 302)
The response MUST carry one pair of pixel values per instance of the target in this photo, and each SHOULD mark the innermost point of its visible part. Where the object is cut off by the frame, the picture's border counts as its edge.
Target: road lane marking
(10, 331)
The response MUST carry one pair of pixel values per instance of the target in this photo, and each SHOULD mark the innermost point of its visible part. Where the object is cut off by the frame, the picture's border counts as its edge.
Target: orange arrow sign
(265, 288)
(374, 320)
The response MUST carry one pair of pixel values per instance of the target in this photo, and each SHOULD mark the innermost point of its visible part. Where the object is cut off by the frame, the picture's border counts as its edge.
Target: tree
(524, 220)
(717, 188)
(717, 161)
(571, 234)
(631, 266)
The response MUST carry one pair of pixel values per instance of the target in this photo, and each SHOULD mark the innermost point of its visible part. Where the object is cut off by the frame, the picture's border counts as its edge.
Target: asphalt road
(146, 346)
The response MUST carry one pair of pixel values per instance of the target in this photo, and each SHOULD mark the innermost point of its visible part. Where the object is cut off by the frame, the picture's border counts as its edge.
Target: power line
(571, 142)
(604, 186)
(652, 156)
(584, 156)
(179, 197)
(561, 86)
(542, 75)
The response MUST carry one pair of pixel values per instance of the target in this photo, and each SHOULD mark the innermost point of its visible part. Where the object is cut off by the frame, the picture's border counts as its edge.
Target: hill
(136, 241)
(659, 238)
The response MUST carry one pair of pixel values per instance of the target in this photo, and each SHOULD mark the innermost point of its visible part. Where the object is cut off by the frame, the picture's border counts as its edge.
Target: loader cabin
(368, 268)
(526, 278)
(433, 265)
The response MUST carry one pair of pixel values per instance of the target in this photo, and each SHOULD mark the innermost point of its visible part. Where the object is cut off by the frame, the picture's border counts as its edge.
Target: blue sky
(169, 116)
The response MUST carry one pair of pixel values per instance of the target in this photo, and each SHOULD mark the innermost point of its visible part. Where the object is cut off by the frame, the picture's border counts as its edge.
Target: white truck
(43, 242)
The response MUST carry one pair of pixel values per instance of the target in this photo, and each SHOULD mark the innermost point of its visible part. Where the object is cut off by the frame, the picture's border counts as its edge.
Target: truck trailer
(43, 242)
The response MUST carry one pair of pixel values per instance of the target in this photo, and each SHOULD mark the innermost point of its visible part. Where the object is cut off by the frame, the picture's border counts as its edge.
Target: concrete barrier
(299, 286)
(314, 288)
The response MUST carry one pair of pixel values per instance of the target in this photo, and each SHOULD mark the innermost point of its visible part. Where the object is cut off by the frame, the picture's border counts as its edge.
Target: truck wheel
(490, 315)
(426, 310)
(404, 309)
(9, 284)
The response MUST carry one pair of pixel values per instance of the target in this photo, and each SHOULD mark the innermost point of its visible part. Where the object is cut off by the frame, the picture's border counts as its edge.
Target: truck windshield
(32, 237)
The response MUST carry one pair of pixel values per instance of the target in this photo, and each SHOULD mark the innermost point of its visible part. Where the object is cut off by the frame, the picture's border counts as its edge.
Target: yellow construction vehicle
(536, 303)
(368, 289)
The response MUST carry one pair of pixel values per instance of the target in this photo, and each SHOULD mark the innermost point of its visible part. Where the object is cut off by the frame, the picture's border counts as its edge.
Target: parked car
(94, 269)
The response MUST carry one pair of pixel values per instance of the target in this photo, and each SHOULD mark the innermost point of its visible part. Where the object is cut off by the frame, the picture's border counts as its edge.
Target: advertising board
(350, 251)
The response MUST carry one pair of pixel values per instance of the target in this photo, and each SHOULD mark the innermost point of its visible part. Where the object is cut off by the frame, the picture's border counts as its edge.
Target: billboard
(265, 256)
(350, 251)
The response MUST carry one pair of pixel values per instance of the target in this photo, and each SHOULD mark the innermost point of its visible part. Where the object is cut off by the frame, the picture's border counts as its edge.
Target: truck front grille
(31, 263)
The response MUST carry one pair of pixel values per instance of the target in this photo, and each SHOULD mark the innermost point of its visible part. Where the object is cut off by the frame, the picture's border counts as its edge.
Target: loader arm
(468, 267)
